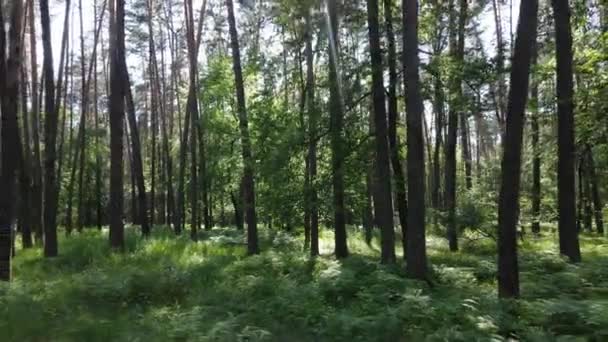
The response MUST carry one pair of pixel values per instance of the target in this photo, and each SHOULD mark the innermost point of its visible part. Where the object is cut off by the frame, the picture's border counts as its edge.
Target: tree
(336, 110)
(117, 113)
(416, 240)
(50, 137)
(248, 180)
(9, 90)
(400, 192)
(457, 53)
(568, 236)
(508, 207)
(536, 194)
(312, 139)
(383, 204)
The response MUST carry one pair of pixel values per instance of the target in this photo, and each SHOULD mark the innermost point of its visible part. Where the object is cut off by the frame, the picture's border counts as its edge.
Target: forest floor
(166, 288)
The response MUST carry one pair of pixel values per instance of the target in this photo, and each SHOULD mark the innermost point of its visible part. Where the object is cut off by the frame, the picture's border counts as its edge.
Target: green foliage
(167, 288)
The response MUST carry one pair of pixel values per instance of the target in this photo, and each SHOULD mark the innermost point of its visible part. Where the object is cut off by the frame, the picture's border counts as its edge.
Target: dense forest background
(365, 160)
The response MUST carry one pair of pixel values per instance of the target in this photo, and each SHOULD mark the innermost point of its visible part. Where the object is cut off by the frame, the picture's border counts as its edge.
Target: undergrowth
(171, 289)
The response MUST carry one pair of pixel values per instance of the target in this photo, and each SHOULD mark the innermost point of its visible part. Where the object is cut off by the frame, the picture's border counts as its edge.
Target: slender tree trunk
(597, 202)
(568, 237)
(36, 210)
(137, 160)
(536, 194)
(457, 53)
(248, 161)
(98, 209)
(588, 213)
(50, 137)
(336, 108)
(117, 112)
(416, 240)
(401, 195)
(9, 90)
(312, 138)
(508, 208)
(464, 120)
(384, 203)
(25, 169)
(83, 119)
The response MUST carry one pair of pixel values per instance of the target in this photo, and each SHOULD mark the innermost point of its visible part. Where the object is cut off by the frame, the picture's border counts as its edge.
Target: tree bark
(400, 192)
(9, 90)
(568, 237)
(248, 161)
(416, 240)
(136, 155)
(312, 139)
(457, 53)
(384, 202)
(508, 207)
(37, 203)
(536, 194)
(336, 108)
(597, 201)
(117, 112)
(50, 137)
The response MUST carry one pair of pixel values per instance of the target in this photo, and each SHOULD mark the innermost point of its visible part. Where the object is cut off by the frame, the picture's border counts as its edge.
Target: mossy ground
(171, 289)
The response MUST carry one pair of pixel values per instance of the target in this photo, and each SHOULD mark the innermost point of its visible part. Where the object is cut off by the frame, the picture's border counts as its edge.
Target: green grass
(171, 289)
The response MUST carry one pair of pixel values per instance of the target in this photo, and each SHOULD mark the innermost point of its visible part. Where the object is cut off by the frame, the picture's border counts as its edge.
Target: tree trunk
(312, 139)
(508, 208)
(384, 203)
(568, 237)
(9, 90)
(597, 202)
(83, 119)
(416, 240)
(37, 203)
(117, 112)
(536, 194)
(336, 108)
(50, 137)
(136, 155)
(457, 53)
(401, 195)
(248, 161)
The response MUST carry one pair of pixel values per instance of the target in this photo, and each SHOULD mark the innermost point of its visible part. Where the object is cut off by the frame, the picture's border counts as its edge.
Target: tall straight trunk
(536, 194)
(83, 119)
(37, 203)
(508, 208)
(416, 240)
(25, 169)
(312, 138)
(98, 209)
(401, 195)
(154, 105)
(117, 112)
(568, 237)
(248, 161)
(9, 90)
(581, 196)
(133, 207)
(193, 109)
(588, 211)
(439, 109)
(336, 109)
(50, 137)
(457, 52)
(384, 203)
(464, 125)
(597, 201)
(136, 155)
